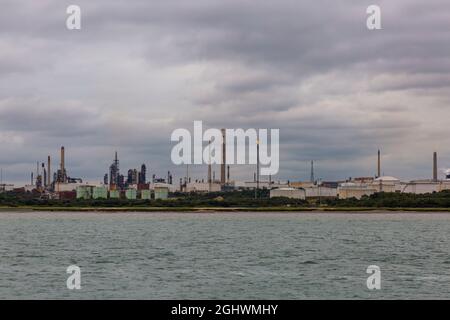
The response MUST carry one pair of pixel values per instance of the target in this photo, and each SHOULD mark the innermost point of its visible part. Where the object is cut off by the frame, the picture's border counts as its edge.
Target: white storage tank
(291, 193)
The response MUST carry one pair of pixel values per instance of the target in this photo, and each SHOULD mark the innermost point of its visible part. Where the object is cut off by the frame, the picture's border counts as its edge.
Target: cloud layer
(137, 70)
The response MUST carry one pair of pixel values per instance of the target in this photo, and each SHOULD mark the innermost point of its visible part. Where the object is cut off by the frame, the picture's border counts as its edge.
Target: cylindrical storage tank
(100, 193)
(131, 194)
(145, 194)
(114, 194)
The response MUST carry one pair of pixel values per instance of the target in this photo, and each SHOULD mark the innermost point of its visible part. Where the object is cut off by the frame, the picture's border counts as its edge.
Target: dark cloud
(139, 69)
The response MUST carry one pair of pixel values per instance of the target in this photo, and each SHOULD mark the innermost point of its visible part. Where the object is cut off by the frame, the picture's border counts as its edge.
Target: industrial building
(87, 192)
(301, 184)
(161, 193)
(319, 191)
(6, 187)
(100, 192)
(57, 184)
(251, 185)
(84, 192)
(135, 179)
(170, 187)
(349, 190)
(146, 194)
(309, 192)
(45, 182)
(425, 186)
(114, 194)
(115, 179)
(360, 187)
(386, 184)
(203, 187)
(291, 193)
(131, 194)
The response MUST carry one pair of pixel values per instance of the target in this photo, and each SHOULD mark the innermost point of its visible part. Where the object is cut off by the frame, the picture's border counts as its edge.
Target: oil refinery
(136, 185)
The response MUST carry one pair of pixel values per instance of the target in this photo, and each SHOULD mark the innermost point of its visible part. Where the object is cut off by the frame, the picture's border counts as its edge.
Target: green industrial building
(100, 193)
(131, 194)
(84, 192)
(114, 194)
(146, 194)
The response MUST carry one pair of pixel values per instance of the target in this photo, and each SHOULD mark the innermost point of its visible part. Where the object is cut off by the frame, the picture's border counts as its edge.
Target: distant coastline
(235, 201)
(218, 209)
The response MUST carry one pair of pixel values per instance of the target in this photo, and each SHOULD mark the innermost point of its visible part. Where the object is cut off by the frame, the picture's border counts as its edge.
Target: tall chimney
(209, 167)
(209, 162)
(44, 175)
(379, 164)
(63, 178)
(257, 165)
(435, 170)
(224, 158)
(49, 173)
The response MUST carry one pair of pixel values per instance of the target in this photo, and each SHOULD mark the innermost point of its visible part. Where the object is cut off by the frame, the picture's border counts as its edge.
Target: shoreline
(220, 209)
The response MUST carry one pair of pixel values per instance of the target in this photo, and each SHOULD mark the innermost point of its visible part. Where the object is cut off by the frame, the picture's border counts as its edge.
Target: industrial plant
(134, 184)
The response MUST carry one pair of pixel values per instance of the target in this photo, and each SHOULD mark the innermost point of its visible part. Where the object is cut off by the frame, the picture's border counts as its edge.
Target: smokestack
(209, 165)
(49, 173)
(257, 166)
(379, 164)
(63, 178)
(435, 170)
(224, 157)
(44, 175)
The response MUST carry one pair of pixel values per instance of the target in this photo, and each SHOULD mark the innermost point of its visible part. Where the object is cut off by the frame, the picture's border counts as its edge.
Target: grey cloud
(139, 69)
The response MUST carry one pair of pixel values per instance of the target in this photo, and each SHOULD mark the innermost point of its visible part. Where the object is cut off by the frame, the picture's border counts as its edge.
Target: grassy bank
(236, 201)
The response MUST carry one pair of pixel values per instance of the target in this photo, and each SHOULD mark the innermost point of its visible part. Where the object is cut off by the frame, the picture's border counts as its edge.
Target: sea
(212, 255)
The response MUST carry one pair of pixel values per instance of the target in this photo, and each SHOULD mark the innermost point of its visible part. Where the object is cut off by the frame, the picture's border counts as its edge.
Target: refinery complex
(55, 183)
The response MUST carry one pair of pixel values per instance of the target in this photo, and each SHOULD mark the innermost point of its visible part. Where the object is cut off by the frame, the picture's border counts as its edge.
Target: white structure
(6, 187)
(252, 185)
(203, 187)
(63, 187)
(387, 184)
(262, 185)
(288, 193)
(357, 190)
(354, 190)
(318, 191)
(299, 184)
(425, 186)
(29, 187)
(171, 187)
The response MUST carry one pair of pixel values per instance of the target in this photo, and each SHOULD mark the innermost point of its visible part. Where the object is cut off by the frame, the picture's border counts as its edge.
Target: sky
(137, 70)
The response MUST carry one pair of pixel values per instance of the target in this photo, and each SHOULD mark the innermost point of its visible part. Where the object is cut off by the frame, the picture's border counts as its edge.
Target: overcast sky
(137, 70)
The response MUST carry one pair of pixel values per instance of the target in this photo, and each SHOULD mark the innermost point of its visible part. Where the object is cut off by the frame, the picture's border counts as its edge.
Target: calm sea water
(224, 255)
